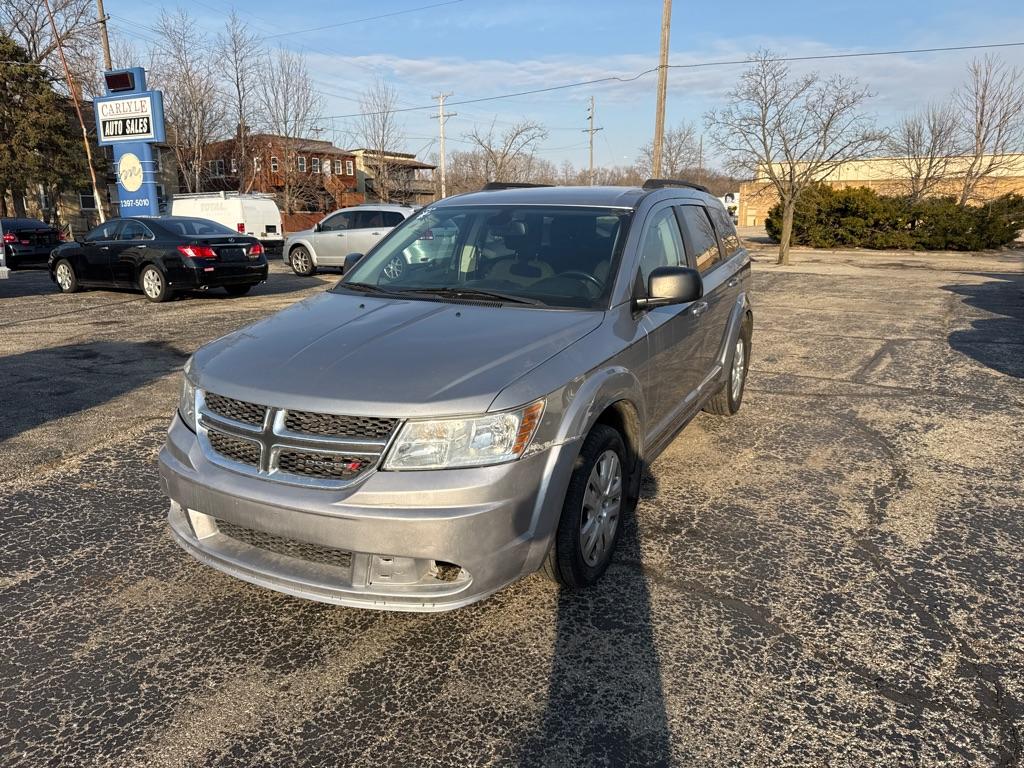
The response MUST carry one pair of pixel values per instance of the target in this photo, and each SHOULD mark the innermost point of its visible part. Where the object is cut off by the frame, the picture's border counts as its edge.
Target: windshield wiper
(475, 293)
(368, 288)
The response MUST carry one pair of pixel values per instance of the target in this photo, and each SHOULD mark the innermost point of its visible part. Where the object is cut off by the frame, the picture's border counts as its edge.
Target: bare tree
(239, 48)
(27, 23)
(791, 131)
(291, 110)
(379, 132)
(924, 146)
(194, 105)
(680, 151)
(508, 156)
(991, 107)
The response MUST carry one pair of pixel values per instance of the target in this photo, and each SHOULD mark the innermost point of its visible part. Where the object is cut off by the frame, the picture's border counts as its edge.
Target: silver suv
(419, 441)
(347, 230)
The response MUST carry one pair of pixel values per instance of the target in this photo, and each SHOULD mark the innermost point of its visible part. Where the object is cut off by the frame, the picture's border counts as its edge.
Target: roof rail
(492, 186)
(662, 183)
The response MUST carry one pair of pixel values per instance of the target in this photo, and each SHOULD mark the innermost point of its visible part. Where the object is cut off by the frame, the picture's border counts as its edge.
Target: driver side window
(337, 222)
(662, 244)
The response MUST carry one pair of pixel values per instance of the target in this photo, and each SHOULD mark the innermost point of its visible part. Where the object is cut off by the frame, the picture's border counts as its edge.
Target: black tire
(237, 290)
(301, 261)
(566, 562)
(727, 401)
(68, 284)
(154, 284)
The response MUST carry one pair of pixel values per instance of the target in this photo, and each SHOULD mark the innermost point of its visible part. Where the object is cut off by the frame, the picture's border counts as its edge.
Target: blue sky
(478, 48)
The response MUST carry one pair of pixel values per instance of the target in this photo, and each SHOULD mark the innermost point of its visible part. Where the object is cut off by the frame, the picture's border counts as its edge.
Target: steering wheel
(585, 276)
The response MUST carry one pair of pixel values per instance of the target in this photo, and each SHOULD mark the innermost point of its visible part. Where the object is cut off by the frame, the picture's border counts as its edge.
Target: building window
(315, 162)
(327, 166)
(234, 165)
(220, 167)
(350, 169)
(301, 160)
(273, 164)
(337, 167)
(87, 200)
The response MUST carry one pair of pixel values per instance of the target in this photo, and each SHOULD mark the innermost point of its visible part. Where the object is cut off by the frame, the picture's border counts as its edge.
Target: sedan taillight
(256, 251)
(10, 237)
(197, 251)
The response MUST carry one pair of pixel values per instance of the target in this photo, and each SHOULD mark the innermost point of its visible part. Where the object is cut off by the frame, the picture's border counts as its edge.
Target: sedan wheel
(154, 285)
(65, 275)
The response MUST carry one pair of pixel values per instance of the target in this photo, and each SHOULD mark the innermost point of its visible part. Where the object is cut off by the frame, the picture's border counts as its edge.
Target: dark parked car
(28, 241)
(161, 256)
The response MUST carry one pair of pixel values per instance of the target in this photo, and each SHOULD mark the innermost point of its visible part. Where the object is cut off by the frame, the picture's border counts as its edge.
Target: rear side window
(392, 218)
(368, 219)
(134, 230)
(661, 246)
(106, 231)
(701, 237)
(726, 231)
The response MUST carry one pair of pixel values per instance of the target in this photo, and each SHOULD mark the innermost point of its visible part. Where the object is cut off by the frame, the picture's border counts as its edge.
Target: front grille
(279, 545)
(239, 410)
(328, 466)
(326, 424)
(235, 448)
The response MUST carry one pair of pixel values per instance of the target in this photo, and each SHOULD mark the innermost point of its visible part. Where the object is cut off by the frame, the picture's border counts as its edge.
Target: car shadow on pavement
(996, 342)
(605, 703)
(47, 384)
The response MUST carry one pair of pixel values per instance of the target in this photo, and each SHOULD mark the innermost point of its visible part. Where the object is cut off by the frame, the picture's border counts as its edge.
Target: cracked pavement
(832, 577)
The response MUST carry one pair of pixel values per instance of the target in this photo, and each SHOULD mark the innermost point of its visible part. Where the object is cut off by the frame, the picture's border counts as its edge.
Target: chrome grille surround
(284, 455)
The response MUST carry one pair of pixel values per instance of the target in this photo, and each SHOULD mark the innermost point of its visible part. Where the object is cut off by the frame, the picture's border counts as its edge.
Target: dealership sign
(126, 119)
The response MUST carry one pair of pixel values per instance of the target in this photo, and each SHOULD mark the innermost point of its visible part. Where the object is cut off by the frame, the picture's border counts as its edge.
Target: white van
(256, 215)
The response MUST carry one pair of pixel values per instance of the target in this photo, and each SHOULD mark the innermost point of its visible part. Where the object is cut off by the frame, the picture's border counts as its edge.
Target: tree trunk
(788, 206)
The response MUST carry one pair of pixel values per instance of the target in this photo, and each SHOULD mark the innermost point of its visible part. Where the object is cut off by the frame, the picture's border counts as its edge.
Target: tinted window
(662, 245)
(701, 236)
(368, 219)
(106, 231)
(135, 230)
(726, 231)
(337, 222)
(195, 227)
(392, 218)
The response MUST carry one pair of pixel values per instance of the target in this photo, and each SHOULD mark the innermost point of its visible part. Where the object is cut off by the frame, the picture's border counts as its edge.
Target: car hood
(400, 358)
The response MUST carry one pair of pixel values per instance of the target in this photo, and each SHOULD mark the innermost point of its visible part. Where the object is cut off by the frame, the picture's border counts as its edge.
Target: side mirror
(350, 261)
(671, 285)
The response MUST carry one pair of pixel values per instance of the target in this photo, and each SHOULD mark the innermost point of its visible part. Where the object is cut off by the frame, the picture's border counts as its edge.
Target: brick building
(302, 174)
(885, 175)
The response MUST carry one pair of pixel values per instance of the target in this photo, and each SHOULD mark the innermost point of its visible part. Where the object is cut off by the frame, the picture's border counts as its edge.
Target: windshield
(555, 256)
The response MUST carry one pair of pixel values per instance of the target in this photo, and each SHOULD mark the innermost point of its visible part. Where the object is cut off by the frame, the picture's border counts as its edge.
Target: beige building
(885, 175)
(409, 179)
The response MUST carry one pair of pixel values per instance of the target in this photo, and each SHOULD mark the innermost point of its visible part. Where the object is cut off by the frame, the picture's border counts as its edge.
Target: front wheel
(154, 284)
(591, 520)
(67, 280)
(301, 261)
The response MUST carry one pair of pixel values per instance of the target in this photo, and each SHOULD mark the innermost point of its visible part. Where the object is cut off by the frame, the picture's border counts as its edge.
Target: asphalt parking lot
(832, 577)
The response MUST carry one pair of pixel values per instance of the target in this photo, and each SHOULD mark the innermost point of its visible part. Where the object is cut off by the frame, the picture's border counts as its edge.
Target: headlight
(187, 400)
(468, 442)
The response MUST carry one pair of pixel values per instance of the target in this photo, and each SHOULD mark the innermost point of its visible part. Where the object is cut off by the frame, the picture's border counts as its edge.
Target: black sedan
(160, 256)
(28, 241)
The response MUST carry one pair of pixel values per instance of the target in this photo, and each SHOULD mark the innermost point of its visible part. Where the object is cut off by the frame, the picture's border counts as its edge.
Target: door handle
(104, 247)
(734, 282)
(376, 234)
(699, 308)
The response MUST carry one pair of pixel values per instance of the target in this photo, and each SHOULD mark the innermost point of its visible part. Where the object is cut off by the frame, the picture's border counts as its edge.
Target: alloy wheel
(602, 502)
(739, 368)
(300, 261)
(152, 283)
(64, 276)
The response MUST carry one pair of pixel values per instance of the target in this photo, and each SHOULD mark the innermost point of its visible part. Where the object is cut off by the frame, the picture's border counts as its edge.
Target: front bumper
(413, 541)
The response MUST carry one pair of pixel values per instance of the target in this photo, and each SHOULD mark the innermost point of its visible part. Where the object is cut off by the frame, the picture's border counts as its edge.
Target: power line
(694, 65)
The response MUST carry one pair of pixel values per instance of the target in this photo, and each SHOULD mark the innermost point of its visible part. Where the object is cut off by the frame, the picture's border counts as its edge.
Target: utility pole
(659, 115)
(442, 118)
(78, 111)
(102, 21)
(591, 130)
